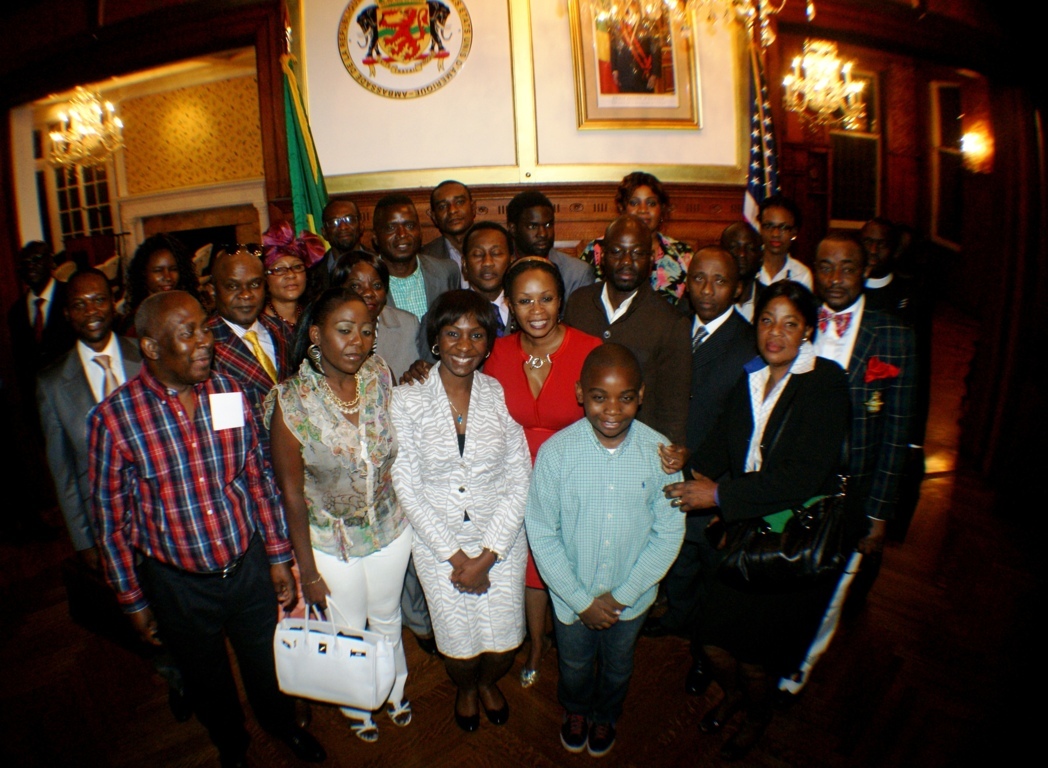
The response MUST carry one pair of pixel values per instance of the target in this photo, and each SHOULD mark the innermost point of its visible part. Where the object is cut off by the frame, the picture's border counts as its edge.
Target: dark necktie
(38, 321)
(700, 335)
(498, 320)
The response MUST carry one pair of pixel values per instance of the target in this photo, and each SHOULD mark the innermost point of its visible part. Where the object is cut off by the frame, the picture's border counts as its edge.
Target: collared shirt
(759, 372)
(409, 293)
(456, 256)
(96, 375)
(176, 490)
(47, 295)
(612, 313)
(874, 283)
(597, 521)
(713, 325)
(791, 270)
(839, 348)
(263, 338)
(503, 307)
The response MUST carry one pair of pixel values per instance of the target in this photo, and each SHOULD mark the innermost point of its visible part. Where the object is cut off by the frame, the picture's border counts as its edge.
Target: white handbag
(329, 661)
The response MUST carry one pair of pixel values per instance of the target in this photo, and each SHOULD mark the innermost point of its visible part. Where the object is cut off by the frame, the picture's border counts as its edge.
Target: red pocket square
(877, 370)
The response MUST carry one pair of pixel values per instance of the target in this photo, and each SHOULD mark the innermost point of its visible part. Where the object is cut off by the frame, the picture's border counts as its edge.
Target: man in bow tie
(877, 352)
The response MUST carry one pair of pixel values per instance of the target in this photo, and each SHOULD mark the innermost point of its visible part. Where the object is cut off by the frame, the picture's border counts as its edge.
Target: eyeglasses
(784, 228)
(350, 220)
(253, 248)
(281, 271)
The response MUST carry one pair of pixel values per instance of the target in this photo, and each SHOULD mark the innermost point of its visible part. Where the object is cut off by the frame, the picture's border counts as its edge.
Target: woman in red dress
(538, 367)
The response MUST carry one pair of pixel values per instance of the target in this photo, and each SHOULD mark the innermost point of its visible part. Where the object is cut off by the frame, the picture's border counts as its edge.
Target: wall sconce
(977, 149)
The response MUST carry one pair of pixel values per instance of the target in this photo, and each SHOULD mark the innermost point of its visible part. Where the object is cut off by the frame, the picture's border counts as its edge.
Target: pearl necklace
(345, 406)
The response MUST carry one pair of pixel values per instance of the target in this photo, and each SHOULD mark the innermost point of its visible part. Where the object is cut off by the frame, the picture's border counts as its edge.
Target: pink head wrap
(279, 240)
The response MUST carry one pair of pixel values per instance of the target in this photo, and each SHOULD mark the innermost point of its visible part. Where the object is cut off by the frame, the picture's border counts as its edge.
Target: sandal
(528, 677)
(400, 714)
(366, 730)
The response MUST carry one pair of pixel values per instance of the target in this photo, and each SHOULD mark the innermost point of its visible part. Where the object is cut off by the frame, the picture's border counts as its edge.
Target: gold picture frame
(633, 69)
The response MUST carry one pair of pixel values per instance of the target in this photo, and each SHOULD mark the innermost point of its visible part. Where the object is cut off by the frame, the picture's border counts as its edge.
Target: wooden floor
(927, 676)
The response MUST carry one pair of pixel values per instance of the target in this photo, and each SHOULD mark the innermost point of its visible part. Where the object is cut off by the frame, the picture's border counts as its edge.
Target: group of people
(448, 436)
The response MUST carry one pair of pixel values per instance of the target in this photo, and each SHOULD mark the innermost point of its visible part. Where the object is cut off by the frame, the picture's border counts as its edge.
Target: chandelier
(821, 88)
(88, 132)
(755, 14)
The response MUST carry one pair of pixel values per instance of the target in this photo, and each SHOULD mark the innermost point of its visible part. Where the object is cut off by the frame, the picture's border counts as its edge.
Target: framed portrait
(634, 66)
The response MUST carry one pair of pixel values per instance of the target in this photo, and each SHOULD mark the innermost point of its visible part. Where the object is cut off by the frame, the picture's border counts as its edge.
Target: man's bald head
(153, 311)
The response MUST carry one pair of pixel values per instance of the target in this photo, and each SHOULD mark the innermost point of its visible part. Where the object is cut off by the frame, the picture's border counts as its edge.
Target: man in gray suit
(415, 279)
(529, 218)
(70, 387)
(452, 211)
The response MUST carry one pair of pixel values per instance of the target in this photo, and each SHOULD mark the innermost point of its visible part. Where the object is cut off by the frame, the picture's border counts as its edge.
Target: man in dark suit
(40, 334)
(529, 218)
(877, 352)
(250, 348)
(415, 279)
(342, 228)
(452, 211)
(624, 309)
(743, 242)
(722, 343)
(39, 330)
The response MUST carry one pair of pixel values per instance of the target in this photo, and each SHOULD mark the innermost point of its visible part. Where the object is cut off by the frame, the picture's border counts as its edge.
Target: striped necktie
(700, 335)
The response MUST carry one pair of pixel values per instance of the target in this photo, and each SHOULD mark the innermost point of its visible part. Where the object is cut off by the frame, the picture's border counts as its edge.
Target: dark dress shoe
(653, 627)
(744, 739)
(428, 644)
(305, 747)
(698, 678)
(468, 723)
(715, 720)
(233, 761)
(179, 704)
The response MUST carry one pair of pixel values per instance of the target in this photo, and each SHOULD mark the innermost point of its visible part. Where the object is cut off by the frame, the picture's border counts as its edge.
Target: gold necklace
(458, 416)
(346, 406)
(537, 362)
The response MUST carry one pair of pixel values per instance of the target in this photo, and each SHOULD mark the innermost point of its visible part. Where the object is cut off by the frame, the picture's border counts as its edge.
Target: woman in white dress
(462, 479)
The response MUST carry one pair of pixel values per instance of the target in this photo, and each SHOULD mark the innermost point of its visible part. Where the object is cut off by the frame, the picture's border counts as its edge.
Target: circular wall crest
(402, 49)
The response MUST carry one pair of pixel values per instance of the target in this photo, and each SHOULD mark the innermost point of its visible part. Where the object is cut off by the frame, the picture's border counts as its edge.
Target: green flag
(308, 193)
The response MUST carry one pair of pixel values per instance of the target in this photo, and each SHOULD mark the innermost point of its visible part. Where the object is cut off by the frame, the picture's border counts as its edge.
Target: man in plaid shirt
(190, 525)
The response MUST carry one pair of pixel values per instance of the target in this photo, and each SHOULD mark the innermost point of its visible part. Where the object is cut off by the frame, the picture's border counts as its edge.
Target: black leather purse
(791, 549)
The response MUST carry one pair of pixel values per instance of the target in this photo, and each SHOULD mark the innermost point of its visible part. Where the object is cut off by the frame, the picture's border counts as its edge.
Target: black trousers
(195, 614)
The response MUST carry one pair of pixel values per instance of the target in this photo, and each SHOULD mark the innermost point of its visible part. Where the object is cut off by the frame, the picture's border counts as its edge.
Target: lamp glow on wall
(977, 149)
(821, 88)
(88, 133)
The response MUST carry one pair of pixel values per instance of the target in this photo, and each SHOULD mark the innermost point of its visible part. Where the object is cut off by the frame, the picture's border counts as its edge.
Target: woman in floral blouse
(642, 195)
(333, 447)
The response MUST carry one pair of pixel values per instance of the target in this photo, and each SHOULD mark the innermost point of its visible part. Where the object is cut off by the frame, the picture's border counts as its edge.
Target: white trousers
(367, 593)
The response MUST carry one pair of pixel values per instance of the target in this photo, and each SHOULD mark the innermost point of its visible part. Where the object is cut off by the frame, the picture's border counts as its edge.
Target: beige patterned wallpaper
(204, 134)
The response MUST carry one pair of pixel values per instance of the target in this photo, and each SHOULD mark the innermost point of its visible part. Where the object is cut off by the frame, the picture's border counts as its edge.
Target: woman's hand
(418, 372)
(315, 591)
(673, 457)
(697, 493)
(472, 576)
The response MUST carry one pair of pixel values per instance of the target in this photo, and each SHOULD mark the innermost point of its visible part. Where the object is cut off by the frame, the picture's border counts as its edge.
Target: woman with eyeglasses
(286, 259)
(780, 220)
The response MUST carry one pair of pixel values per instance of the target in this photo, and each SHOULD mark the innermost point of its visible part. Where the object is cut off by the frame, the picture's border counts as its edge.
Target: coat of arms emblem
(401, 48)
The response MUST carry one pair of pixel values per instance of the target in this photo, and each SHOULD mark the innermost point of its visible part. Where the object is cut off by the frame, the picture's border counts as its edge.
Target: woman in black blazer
(777, 444)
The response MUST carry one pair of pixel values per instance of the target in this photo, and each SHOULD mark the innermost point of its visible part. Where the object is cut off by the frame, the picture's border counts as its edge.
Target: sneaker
(601, 739)
(573, 733)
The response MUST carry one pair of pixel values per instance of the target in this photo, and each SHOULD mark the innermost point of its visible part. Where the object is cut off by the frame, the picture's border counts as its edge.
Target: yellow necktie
(256, 347)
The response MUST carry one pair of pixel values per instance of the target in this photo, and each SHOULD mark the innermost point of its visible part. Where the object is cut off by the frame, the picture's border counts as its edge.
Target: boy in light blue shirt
(603, 535)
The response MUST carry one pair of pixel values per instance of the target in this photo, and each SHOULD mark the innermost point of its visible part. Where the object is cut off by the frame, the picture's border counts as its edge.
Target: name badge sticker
(227, 410)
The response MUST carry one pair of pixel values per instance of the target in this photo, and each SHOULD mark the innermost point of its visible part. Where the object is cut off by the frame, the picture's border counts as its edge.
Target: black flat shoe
(498, 716)
(744, 739)
(715, 720)
(304, 746)
(468, 723)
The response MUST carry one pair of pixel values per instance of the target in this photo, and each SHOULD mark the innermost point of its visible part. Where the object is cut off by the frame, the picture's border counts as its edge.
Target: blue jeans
(595, 667)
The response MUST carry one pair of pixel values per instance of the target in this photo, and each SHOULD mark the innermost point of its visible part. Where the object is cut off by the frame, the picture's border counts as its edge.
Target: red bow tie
(841, 321)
